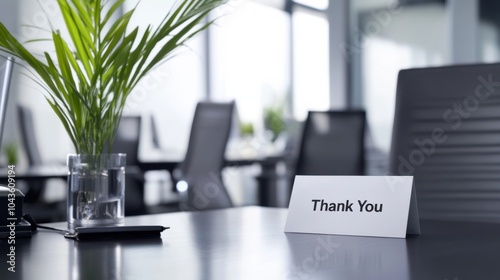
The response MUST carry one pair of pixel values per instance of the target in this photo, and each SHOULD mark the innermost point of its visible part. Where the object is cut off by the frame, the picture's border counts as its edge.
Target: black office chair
(332, 144)
(35, 204)
(41, 210)
(447, 135)
(28, 133)
(30, 146)
(201, 169)
(126, 141)
(154, 134)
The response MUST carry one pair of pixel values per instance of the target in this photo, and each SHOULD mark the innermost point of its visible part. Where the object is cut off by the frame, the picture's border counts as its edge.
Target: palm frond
(90, 76)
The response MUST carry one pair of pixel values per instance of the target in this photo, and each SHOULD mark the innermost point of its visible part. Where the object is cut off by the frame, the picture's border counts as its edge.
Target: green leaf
(91, 74)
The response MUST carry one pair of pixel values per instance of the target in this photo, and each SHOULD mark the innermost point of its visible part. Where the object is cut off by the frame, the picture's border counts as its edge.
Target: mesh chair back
(447, 135)
(127, 138)
(332, 144)
(28, 136)
(204, 160)
(154, 133)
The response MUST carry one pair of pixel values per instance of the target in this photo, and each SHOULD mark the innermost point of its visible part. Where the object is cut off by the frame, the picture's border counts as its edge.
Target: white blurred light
(181, 186)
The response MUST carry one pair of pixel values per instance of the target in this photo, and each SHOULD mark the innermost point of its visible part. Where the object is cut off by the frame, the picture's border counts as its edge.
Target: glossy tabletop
(249, 243)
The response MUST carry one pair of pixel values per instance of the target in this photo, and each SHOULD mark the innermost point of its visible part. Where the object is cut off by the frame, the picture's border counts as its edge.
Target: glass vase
(96, 190)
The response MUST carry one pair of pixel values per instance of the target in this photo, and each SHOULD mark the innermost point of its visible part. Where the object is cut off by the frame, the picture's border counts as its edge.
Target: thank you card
(382, 206)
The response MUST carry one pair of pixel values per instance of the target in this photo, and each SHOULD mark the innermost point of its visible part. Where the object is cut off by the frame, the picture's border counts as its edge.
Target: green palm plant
(89, 77)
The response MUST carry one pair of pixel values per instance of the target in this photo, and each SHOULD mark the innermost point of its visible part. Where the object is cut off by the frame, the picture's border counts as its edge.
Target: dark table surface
(249, 243)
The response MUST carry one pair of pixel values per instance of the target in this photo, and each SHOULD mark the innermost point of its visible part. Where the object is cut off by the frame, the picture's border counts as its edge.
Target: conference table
(267, 187)
(267, 180)
(249, 243)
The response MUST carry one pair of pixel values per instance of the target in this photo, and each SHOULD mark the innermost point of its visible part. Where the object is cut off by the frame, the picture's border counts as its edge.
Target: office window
(52, 139)
(385, 39)
(311, 66)
(170, 92)
(250, 59)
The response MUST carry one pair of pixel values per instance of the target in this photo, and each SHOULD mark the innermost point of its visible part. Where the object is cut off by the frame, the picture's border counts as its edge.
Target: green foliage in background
(274, 120)
(89, 77)
(10, 151)
(246, 129)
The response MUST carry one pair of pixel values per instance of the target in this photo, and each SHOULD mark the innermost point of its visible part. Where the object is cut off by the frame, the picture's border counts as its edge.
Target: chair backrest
(447, 135)
(204, 160)
(127, 138)
(28, 135)
(154, 133)
(5, 77)
(332, 144)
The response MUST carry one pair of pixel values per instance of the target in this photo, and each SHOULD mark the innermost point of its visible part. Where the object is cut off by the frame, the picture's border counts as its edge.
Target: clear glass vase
(96, 190)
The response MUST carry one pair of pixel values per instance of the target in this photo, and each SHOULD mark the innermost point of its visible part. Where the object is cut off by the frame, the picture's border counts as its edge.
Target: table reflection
(104, 259)
(347, 257)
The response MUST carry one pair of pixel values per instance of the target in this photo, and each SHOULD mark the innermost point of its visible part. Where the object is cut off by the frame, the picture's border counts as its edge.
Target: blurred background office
(296, 55)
